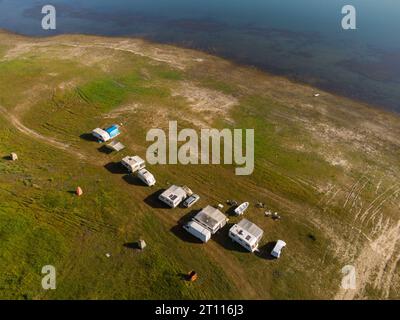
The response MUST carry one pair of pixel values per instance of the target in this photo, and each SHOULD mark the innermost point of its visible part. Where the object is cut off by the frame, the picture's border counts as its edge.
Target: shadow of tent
(181, 233)
(265, 251)
(104, 149)
(183, 276)
(132, 245)
(133, 180)
(153, 201)
(185, 236)
(222, 238)
(231, 211)
(115, 168)
(88, 137)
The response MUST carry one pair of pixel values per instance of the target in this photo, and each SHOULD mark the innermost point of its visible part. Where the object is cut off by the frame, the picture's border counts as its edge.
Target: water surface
(301, 39)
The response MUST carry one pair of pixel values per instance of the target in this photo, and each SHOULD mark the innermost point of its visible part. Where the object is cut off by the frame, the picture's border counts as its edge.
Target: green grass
(105, 93)
(43, 222)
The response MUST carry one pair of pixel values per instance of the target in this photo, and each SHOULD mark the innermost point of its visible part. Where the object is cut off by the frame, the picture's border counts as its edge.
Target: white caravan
(133, 164)
(206, 223)
(101, 135)
(173, 196)
(198, 231)
(247, 234)
(276, 252)
(145, 176)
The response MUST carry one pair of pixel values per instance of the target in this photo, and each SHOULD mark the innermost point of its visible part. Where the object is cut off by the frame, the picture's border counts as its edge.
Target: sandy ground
(206, 104)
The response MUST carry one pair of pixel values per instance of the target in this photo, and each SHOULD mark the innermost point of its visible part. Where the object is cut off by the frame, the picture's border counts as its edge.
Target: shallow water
(301, 39)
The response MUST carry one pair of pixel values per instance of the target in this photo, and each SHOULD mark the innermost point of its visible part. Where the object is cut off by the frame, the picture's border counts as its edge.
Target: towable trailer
(146, 177)
(206, 223)
(276, 252)
(104, 135)
(198, 231)
(247, 234)
(211, 218)
(173, 196)
(133, 164)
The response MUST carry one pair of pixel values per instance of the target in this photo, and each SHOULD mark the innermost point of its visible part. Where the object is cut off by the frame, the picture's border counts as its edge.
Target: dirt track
(37, 136)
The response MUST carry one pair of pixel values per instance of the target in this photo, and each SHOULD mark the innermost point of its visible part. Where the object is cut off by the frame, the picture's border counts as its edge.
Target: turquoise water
(301, 39)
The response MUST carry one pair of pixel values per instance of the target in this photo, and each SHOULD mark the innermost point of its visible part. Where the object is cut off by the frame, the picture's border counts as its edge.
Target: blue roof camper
(113, 131)
(104, 135)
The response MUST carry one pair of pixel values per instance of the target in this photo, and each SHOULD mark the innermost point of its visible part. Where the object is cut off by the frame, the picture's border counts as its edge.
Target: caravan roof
(251, 228)
(174, 194)
(247, 231)
(133, 161)
(210, 217)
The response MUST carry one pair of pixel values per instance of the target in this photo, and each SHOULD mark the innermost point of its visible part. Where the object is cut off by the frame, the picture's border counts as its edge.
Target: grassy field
(328, 165)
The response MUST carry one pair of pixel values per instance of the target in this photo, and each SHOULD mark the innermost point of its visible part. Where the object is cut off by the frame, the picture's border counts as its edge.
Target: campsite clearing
(329, 166)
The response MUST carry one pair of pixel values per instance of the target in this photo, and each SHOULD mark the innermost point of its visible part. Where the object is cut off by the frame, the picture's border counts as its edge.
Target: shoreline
(233, 62)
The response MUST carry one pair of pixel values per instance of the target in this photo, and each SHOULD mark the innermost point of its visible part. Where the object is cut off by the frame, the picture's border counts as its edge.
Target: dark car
(191, 200)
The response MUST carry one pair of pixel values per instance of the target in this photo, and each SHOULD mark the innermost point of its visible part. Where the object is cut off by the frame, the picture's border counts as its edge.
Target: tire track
(39, 137)
(373, 261)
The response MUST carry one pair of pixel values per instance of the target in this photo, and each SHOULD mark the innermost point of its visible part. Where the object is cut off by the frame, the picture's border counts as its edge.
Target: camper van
(133, 164)
(198, 231)
(104, 135)
(145, 176)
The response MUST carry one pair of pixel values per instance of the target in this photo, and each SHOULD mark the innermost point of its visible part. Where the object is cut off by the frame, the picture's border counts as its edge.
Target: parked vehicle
(198, 231)
(104, 135)
(173, 196)
(133, 164)
(145, 176)
(276, 252)
(211, 218)
(247, 234)
(191, 200)
(242, 208)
